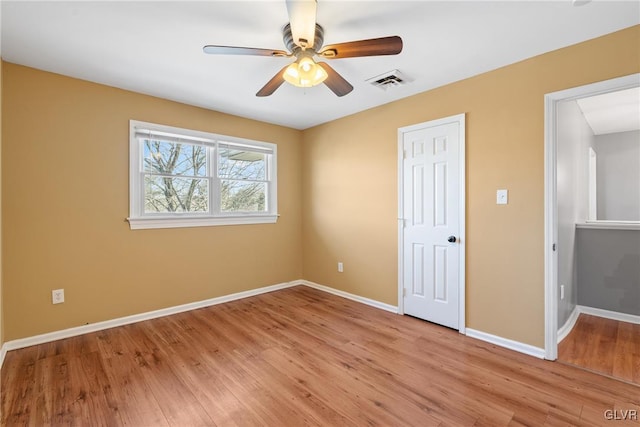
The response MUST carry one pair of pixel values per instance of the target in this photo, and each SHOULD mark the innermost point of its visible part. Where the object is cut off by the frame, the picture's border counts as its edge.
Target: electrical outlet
(57, 296)
(340, 267)
(561, 291)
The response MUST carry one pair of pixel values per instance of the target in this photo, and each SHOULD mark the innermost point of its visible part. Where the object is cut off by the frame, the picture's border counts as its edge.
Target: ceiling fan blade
(371, 47)
(302, 18)
(335, 81)
(236, 50)
(273, 84)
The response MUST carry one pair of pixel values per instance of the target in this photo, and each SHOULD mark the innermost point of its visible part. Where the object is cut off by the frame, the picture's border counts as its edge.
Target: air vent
(389, 79)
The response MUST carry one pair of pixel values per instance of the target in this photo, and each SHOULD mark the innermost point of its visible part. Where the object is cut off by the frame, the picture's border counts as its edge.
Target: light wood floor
(604, 345)
(292, 358)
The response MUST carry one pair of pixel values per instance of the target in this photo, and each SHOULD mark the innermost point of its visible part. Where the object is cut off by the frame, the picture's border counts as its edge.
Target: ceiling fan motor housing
(287, 38)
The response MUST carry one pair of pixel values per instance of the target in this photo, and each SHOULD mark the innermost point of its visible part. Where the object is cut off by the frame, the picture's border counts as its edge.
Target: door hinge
(553, 247)
(404, 154)
(404, 292)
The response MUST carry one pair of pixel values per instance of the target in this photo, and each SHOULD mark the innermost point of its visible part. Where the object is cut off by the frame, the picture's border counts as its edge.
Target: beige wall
(65, 199)
(350, 184)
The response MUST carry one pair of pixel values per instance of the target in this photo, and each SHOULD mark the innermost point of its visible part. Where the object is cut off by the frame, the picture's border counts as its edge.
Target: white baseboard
(107, 324)
(85, 329)
(507, 343)
(613, 315)
(3, 353)
(353, 297)
(569, 324)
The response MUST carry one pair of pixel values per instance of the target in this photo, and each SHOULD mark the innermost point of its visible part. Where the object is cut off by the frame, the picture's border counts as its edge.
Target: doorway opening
(592, 224)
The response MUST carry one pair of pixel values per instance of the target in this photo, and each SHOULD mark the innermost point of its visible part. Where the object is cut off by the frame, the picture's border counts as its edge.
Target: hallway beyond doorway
(605, 346)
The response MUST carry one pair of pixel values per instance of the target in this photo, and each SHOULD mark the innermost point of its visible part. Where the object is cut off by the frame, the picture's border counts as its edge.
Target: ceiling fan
(303, 38)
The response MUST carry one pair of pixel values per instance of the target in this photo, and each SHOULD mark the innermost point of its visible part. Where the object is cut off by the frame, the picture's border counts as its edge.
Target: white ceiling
(156, 47)
(612, 112)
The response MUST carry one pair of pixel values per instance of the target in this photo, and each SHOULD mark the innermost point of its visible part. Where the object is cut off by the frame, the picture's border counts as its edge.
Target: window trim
(139, 220)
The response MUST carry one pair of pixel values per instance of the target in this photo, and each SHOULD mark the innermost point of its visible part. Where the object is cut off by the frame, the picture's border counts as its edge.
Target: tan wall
(350, 184)
(65, 197)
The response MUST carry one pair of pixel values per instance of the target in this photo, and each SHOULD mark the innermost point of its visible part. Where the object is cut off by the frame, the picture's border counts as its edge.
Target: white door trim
(460, 120)
(550, 196)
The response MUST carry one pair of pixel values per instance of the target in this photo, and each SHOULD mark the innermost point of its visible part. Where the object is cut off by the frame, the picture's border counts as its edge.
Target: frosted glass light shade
(305, 73)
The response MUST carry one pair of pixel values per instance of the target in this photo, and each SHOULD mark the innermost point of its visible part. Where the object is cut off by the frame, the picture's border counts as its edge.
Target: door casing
(551, 101)
(460, 120)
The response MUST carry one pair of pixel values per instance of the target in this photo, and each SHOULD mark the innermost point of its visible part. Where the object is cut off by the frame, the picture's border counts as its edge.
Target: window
(185, 178)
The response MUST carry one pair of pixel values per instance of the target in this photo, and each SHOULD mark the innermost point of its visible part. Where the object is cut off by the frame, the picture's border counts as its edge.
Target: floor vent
(389, 79)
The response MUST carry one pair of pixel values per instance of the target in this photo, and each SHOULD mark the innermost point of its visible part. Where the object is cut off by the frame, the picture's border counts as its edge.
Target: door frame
(460, 120)
(551, 101)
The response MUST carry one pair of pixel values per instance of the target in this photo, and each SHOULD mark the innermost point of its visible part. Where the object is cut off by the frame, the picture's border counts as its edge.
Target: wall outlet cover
(57, 296)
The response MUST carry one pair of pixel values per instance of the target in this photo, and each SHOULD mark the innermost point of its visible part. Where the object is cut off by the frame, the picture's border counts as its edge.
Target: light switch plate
(502, 197)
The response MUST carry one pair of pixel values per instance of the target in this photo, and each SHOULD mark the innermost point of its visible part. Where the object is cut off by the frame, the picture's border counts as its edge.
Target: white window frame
(138, 219)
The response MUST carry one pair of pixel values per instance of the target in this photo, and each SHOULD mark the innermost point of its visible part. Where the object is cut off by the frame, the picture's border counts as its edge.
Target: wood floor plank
(137, 404)
(95, 398)
(409, 373)
(176, 400)
(198, 363)
(300, 357)
(362, 404)
(230, 361)
(22, 381)
(604, 345)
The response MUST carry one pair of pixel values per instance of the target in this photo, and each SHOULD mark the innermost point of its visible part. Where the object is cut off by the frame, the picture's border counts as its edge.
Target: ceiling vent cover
(389, 79)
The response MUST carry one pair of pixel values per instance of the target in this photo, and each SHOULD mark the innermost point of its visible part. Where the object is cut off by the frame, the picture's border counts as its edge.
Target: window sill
(177, 222)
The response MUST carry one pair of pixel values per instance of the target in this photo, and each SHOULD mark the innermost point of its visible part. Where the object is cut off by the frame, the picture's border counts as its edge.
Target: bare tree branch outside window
(176, 178)
(242, 180)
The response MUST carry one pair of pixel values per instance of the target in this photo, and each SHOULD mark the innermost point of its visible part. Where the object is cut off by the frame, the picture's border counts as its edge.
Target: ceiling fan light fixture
(304, 40)
(305, 73)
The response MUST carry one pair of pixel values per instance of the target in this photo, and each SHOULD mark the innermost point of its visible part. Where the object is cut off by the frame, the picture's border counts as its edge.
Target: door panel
(417, 283)
(430, 186)
(440, 273)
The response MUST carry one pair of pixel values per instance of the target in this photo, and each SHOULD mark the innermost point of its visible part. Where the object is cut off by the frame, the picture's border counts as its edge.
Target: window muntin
(199, 178)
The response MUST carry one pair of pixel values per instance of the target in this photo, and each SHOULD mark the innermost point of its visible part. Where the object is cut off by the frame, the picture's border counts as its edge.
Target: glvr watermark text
(621, 414)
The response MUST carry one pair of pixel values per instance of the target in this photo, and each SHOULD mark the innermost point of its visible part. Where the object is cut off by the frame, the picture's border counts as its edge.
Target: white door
(432, 208)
